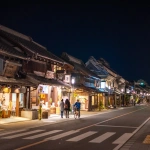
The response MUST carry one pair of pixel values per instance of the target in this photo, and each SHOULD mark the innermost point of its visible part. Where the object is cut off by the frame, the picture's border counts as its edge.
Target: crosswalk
(58, 134)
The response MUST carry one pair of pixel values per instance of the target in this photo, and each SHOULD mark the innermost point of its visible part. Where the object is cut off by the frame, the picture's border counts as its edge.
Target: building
(85, 85)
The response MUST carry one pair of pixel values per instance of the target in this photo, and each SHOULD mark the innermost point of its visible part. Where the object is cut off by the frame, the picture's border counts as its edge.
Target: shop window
(21, 100)
(92, 100)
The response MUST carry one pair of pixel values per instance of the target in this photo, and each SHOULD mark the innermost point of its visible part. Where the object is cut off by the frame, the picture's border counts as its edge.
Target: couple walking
(65, 106)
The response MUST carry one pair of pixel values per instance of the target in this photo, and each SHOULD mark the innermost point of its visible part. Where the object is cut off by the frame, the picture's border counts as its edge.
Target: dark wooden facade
(20, 56)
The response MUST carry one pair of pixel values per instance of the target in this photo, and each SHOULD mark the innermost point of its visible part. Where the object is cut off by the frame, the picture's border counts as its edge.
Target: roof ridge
(6, 29)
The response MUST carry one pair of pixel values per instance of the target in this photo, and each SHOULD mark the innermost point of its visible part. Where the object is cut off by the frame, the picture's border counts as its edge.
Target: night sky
(117, 32)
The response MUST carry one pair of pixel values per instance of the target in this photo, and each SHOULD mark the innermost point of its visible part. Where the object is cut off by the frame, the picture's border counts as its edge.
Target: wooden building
(28, 66)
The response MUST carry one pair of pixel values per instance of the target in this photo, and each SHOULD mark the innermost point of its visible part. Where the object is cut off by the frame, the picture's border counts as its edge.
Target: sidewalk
(52, 117)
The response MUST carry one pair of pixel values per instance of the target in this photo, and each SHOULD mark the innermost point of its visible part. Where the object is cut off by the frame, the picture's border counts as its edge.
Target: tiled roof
(77, 66)
(27, 43)
(41, 80)
(8, 50)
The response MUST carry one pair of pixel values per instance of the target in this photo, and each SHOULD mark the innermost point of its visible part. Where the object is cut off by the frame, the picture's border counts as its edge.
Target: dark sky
(118, 32)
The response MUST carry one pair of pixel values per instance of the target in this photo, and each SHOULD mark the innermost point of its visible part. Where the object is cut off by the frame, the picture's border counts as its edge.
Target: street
(107, 131)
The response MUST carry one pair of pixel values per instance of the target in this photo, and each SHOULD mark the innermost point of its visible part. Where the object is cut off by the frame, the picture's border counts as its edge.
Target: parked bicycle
(76, 112)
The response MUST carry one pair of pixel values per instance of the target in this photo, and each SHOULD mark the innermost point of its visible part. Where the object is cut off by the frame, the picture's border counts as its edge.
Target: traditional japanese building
(85, 85)
(111, 82)
(29, 72)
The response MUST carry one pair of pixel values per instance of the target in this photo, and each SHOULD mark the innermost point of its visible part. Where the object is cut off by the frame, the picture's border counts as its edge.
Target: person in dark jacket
(67, 107)
(78, 106)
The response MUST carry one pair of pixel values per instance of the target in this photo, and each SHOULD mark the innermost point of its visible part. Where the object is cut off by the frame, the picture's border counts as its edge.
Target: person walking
(67, 107)
(61, 108)
(78, 105)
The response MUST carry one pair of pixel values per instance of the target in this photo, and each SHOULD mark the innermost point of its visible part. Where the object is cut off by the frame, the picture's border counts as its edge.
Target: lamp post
(72, 86)
(122, 97)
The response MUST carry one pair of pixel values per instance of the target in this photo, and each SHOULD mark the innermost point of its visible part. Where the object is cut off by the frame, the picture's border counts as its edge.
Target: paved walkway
(51, 118)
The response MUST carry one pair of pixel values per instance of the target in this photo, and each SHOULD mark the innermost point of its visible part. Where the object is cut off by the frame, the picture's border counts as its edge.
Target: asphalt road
(108, 131)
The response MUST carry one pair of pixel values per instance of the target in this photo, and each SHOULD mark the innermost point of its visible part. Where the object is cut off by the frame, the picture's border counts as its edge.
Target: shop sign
(38, 73)
(60, 74)
(10, 69)
(67, 78)
(49, 74)
(97, 83)
(103, 84)
(43, 89)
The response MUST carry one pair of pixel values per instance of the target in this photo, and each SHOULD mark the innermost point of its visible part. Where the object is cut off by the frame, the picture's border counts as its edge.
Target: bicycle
(76, 113)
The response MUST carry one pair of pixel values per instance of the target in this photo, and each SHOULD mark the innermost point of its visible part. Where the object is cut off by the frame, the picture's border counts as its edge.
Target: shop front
(84, 94)
(48, 93)
(12, 100)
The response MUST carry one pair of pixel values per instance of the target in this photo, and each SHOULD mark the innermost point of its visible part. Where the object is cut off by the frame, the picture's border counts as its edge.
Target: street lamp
(73, 81)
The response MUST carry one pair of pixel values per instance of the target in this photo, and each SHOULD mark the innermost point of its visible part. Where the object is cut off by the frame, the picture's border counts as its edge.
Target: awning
(90, 89)
(16, 82)
(41, 80)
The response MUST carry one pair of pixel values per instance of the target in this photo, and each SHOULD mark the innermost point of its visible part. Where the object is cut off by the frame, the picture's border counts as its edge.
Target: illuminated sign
(103, 84)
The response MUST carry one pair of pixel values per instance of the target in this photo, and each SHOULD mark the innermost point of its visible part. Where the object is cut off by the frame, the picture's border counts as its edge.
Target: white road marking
(21, 134)
(121, 144)
(102, 137)
(116, 126)
(82, 136)
(61, 135)
(42, 134)
(6, 133)
(123, 138)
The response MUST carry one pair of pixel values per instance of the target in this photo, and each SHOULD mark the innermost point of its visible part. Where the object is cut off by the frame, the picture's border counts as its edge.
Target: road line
(61, 135)
(116, 126)
(109, 119)
(51, 138)
(42, 134)
(21, 134)
(102, 137)
(6, 133)
(121, 144)
(24, 147)
(82, 136)
(123, 138)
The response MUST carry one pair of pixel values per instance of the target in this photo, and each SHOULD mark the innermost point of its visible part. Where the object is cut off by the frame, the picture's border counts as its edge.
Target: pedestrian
(61, 108)
(78, 105)
(67, 107)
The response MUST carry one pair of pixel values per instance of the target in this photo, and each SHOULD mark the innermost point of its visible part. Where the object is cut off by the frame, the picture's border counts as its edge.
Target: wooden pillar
(37, 97)
(104, 99)
(120, 100)
(115, 101)
(90, 103)
(55, 95)
(25, 98)
(28, 98)
(17, 104)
